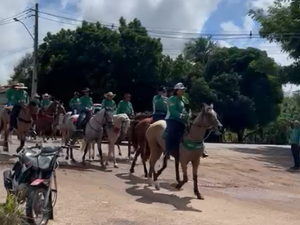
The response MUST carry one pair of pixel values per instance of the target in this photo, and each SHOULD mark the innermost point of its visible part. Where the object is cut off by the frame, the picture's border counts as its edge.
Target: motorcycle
(33, 181)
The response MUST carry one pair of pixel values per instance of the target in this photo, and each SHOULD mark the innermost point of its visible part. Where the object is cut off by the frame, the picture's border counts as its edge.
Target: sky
(176, 20)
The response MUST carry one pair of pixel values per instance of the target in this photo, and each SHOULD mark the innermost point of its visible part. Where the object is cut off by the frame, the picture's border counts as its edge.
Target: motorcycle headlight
(45, 162)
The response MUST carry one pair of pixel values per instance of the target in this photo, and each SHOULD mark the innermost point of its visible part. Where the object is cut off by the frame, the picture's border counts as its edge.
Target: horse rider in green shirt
(125, 106)
(10, 94)
(108, 101)
(86, 106)
(160, 105)
(75, 103)
(36, 99)
(19, 99)
(46, 101)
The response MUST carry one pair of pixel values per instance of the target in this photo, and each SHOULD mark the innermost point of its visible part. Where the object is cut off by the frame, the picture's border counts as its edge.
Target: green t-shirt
(125, 107)
(295, 136)
(21, 95)
(177, 110)
(160, 104)
(108, 103)
(86, 102)
(10, 95)
(74, 103)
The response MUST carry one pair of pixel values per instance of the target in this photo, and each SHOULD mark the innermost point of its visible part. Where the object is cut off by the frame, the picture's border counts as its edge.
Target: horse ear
(211, 106)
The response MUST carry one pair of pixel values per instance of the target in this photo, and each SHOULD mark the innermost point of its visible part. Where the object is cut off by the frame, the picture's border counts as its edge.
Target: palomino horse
(24, 124)
(119, 124)
(4, 121)
(46, 118)
(91, 149)
(191, 148)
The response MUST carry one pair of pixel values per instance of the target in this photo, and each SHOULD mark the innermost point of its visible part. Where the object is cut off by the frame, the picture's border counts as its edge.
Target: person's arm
(71, 103)
(153, 104)
(114, 105)
(131, 109)
(8, 94)
(119, 108)
(103, 103)
(173, 109)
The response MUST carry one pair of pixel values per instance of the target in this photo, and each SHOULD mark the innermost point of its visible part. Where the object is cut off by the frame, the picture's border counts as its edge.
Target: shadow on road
(275, 157)
(147, 196)
(78, 166)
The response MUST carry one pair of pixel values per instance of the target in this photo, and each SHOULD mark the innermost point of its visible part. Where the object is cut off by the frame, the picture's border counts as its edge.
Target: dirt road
(242, 185)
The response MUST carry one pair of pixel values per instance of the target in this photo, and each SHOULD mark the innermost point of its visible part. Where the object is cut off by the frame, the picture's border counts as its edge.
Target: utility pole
(35, 51)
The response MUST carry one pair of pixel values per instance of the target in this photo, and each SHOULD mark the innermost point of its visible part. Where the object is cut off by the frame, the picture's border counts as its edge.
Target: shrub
(10, 213)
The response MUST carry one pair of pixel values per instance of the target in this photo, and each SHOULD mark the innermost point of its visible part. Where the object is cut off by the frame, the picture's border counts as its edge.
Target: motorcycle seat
(49, 150)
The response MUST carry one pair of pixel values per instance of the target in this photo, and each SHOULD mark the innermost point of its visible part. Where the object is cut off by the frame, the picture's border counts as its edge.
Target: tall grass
(11, 213)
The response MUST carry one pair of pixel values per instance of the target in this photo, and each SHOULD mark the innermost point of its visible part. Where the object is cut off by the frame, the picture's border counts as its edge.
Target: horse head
(208, 118)
(32, 109)
(121, 121)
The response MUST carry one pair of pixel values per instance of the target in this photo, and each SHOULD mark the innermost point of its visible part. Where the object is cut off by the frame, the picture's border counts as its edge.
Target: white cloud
(154, 14)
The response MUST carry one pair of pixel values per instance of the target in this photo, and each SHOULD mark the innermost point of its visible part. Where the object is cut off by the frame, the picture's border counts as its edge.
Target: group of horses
(146, 137)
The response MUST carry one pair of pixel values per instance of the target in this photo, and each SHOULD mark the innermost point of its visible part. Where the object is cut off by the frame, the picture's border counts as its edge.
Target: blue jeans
(174, 135)
(158, 116)
(74, 111)
(81, 118)
(13, 117)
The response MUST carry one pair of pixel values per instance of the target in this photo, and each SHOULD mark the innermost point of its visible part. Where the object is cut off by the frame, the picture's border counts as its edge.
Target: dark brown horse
(45, 119)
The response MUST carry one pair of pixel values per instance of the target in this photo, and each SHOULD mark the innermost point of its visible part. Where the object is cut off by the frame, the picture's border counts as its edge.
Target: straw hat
(109, 94)
(86, 90)
(46, 95)
(21, 86)
(179, 86)
(37, 95)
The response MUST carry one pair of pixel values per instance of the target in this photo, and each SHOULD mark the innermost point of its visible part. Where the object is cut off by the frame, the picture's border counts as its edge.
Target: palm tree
(199, 49)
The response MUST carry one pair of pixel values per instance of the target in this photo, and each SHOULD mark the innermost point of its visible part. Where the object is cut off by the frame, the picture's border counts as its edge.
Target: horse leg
(93, 151)
(86, 148)
(136, 155)
(100, 153)
(120, 153)
(196, 164)
(159, 172)
(185, 175)
(177, 169)
(5, 144)
(22, 143)
(112, 146)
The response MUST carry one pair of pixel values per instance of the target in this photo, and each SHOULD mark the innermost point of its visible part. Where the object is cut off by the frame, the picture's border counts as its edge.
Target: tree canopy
(243, 84)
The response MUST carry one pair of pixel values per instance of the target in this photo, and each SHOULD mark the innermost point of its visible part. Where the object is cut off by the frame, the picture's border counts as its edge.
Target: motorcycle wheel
(35, 205)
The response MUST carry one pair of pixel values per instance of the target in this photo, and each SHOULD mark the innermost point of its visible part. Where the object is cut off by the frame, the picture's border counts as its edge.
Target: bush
(10, 213)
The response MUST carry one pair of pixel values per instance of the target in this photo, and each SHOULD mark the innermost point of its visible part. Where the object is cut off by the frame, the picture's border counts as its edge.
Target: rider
(125, 106)
(46, 100)
(86, 105)
(176, 119)
(160, 105)
(36, 99)
(75, 103)
(10, 93)
(20, 98)
(108, 101)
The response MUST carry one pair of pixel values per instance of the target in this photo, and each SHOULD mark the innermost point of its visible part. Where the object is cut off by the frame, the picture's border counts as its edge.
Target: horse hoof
(103, 166)
(146, 175)
(131, 170)
(106, 164)
(200, 197)
(120, 154)
(116, 165)
(73, 160)
(174, 185)
(67, 158)
(157, 187)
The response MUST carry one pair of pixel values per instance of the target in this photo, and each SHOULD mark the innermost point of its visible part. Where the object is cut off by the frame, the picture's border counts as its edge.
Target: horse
(191, 147)
(119, 124)
(93, 130)
(24, 124)
(46, 118)
(139, 143)
(4, 121)
(58, 117)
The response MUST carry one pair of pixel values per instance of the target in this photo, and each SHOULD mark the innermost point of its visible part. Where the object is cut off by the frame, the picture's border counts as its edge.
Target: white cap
(179, 86)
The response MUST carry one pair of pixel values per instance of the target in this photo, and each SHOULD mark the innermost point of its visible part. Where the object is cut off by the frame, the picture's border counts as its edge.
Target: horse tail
(147, 152)
(133, 135)
(1, 125)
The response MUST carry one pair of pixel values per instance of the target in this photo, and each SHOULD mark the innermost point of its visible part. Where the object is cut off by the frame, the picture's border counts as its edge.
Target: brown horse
(4, 120)
(45, 119)
(139, 143)
(191, 148)
(24, 124)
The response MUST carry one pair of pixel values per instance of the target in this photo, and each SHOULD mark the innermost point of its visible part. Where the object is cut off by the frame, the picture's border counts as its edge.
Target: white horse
(93, 130)
(120, 123)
